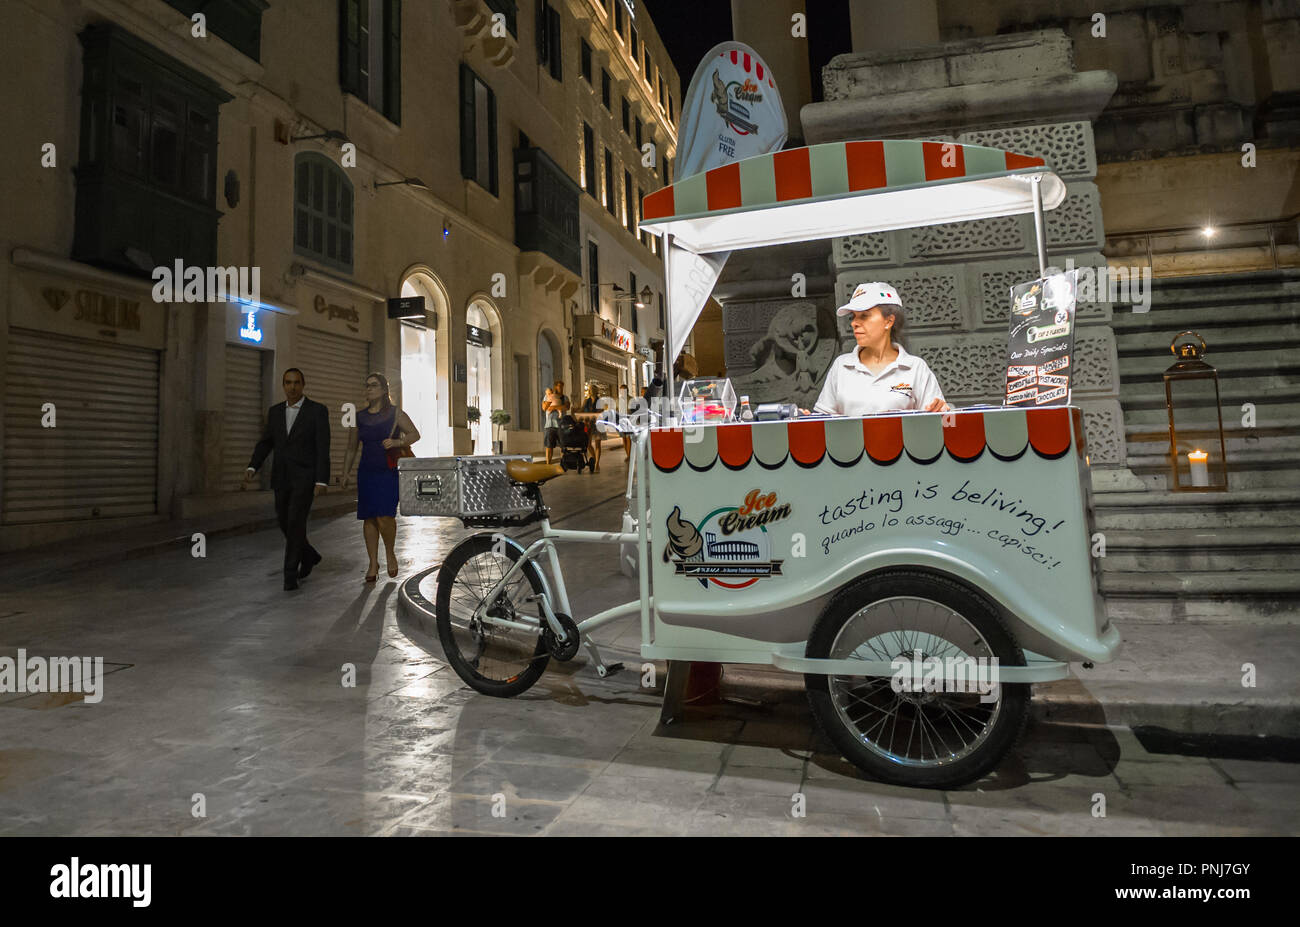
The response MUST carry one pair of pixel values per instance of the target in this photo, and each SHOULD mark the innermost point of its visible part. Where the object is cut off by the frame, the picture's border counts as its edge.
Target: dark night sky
(689, 28)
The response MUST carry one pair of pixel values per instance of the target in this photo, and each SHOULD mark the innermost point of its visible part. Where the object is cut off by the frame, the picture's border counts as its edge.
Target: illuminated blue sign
(250, 331)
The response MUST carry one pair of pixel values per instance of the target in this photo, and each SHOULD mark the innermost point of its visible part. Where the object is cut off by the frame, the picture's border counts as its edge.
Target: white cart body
(753, 527)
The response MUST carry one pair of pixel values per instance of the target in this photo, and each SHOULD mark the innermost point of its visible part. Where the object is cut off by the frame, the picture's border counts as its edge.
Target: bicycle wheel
(928, 739)
(493, 659)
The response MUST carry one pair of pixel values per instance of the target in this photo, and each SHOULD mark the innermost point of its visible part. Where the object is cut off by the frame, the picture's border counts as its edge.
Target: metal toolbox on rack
(460, 487)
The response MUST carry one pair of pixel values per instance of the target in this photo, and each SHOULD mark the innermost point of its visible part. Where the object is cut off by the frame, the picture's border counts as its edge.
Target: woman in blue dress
(381, 427)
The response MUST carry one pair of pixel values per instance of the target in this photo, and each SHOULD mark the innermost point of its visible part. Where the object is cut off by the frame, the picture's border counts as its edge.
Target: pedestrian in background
(298, 431)
(551, 407)
(382, 432)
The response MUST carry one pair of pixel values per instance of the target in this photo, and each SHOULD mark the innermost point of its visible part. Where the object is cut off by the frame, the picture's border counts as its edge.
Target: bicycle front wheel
(491, 657)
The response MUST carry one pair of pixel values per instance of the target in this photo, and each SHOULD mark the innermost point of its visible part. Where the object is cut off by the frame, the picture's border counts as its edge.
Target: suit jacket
(302, 456)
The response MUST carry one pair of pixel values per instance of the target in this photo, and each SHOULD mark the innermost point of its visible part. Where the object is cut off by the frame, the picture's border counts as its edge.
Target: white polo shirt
(852, 389)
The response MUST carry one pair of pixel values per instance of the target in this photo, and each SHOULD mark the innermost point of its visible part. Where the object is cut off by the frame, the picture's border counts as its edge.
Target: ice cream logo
(730, 547)
(726, 97)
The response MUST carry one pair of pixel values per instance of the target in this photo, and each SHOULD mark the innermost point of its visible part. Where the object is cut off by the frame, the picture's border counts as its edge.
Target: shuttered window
(100, 459)
(334, 369)
(245, 413)
(322, 210)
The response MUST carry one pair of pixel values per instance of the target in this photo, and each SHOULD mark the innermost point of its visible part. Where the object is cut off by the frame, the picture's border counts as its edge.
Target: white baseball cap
(870, 294)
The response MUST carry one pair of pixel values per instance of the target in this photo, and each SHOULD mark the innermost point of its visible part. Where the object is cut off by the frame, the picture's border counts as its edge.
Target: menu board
(1040, 345)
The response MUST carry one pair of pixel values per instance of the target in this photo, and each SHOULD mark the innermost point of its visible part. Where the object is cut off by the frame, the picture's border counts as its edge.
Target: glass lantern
(1197, 455)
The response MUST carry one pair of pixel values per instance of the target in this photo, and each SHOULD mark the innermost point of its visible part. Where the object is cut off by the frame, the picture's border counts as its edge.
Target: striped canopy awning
(845, 188)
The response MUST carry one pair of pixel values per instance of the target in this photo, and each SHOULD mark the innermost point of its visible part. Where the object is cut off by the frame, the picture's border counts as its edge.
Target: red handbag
(397, 453)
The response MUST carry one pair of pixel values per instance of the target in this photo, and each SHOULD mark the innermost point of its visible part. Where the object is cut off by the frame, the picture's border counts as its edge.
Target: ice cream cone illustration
(684, 540)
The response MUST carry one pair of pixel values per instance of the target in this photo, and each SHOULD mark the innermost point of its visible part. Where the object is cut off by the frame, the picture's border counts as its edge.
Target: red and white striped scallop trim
(829, 170)
(1005, 433)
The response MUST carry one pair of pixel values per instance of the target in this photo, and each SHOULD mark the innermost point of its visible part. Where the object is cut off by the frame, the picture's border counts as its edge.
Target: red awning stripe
(1007, 434)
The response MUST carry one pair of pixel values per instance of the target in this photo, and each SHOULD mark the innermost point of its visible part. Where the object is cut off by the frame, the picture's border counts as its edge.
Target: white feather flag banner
(732, 111)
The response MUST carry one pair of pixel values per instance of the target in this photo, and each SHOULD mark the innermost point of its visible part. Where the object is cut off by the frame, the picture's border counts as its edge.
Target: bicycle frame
(554, 588)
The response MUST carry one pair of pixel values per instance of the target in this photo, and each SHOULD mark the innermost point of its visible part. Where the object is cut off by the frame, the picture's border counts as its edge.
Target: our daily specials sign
(1040, 344)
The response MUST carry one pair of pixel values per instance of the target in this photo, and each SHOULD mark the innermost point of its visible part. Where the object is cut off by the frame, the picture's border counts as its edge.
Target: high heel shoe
(372, 577)
(392, 567)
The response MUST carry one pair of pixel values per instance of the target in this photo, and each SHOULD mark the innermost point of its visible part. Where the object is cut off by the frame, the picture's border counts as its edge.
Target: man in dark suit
(298, 430)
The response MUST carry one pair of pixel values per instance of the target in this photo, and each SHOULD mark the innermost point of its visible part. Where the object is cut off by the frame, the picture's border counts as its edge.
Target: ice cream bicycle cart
(920, 569)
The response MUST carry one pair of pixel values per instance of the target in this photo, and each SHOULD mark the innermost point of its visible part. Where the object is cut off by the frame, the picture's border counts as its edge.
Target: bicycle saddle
(523, 472)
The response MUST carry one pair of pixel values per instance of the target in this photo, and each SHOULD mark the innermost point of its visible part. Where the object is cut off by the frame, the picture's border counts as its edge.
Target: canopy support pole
(669, 357)
(1040, 227)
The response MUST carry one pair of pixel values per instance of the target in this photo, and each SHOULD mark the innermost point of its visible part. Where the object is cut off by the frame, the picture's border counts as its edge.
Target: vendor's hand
(391, 443)
(937, 405)
(321, 489)
(804, 412)
(343, 483)
(247, 481)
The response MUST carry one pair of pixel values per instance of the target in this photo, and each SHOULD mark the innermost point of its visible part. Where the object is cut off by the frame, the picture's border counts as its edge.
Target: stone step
(1274, 409)
(1234, 583)
(1230, 336)
(1237, 508)
(1233, 390)
(1204, 318)
(1241, 445)
(1225, 289)
(1253, 362)
(1189, 609)
(1184, 550)
(1280, 477)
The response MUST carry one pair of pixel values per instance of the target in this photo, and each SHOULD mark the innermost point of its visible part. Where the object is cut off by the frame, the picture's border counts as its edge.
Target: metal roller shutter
(101, 459)
(335, 370)
(245, 412)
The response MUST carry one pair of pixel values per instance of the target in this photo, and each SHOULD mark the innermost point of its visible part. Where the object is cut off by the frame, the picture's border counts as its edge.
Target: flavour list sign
(1040, 345)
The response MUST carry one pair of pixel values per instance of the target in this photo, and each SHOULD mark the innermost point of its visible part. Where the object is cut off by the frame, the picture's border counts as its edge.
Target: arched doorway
(479, 373)
(424, 392)
(549, 364)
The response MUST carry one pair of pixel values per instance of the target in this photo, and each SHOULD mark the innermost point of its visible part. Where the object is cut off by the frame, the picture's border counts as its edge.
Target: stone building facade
(353, 152)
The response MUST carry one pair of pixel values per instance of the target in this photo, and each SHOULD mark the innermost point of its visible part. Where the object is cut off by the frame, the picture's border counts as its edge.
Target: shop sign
(96, 308)
(480, 337)
(620, 338)
(251, 324)
(351, 318)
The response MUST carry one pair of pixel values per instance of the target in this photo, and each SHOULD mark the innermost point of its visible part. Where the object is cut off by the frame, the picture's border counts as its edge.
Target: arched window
(322, 211)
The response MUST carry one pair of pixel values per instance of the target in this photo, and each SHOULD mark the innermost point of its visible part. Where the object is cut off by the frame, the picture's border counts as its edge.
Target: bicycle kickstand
(592, 651)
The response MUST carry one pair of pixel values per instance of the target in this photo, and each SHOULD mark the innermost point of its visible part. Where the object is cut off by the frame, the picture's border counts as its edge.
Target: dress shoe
(308, 565)
(290, 582)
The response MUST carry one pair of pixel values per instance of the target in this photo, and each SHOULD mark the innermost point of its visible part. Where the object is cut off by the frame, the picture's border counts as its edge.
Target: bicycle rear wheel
(492, 659)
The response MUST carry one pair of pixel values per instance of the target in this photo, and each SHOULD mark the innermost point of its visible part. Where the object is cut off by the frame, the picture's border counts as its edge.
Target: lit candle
(1200, 472)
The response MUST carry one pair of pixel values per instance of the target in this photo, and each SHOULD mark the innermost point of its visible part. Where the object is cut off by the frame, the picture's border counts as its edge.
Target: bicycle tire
(533, 667)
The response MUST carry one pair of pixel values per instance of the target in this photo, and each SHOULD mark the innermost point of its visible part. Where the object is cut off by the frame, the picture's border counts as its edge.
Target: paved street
(225, 692)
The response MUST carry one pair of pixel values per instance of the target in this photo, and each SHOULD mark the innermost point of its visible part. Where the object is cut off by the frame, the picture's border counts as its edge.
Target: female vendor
(879, 376)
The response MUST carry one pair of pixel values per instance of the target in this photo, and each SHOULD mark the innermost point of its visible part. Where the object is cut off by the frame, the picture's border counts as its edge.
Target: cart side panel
(753, 525)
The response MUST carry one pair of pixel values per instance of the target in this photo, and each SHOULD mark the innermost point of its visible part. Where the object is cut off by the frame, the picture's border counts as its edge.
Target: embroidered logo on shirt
(901, 388)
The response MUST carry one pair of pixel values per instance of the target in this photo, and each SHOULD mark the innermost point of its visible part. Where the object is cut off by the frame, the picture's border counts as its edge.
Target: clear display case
(707, 399)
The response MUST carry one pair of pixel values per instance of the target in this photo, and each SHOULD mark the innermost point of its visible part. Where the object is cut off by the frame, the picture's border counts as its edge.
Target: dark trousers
(292, 506)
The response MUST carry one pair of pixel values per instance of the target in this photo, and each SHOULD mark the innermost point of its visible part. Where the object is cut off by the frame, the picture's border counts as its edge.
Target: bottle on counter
(746, 413)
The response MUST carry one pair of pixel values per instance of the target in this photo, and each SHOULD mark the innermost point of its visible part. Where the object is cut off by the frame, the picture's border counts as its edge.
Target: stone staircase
(1209, 556)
